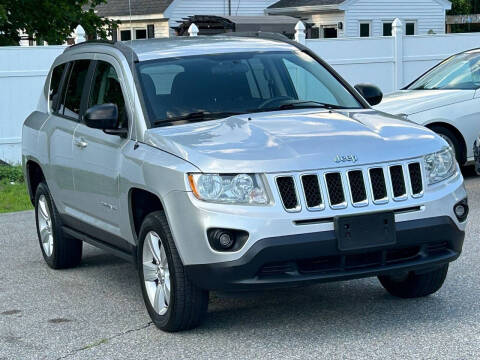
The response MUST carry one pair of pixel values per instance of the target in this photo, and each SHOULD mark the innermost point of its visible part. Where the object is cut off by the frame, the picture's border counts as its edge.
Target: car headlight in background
(440, 165)
(245, 189)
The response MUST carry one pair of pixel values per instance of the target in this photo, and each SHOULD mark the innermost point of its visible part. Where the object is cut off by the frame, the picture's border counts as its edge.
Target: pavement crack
(103, 341)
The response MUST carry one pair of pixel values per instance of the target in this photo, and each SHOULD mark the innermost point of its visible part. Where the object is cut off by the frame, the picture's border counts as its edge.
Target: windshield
(213, 86)
(460, 72)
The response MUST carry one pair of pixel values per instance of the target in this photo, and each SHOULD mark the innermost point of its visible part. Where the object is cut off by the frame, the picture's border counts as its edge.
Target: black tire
(415, 285)
(188, 304)
(67, 251)
(454, 141)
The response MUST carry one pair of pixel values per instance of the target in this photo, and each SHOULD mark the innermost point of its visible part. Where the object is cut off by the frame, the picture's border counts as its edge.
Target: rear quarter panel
(34, 141)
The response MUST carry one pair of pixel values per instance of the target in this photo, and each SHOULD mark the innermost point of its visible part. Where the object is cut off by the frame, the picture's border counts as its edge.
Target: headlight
(230, 189)
(440, 165)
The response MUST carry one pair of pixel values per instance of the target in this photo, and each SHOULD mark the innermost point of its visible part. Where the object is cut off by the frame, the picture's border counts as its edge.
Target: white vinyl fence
(389, 62)
(22, 75)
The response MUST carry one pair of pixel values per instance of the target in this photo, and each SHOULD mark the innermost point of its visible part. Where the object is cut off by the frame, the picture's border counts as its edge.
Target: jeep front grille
(379, 188)
(350, 187)
(336, 194)
(311, 190)
(398, 182)
(288, 193)
(416, 178)
(357, 188)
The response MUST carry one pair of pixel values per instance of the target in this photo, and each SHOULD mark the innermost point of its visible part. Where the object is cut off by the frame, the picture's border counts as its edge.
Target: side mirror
(371, 93)
(104, 117)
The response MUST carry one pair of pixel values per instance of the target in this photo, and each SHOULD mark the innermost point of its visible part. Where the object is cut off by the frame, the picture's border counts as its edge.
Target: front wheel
(413, 285)
(452, 141)
(172, 301)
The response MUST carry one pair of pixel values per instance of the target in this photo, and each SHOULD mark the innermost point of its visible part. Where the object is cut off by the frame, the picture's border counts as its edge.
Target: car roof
(161, 48)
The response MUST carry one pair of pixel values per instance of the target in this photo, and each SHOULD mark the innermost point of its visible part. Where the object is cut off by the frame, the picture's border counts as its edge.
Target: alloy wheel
(156, 274)
(45, 225)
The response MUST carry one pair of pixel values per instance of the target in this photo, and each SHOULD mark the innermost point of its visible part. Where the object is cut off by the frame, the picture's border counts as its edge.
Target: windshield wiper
(196, 116)
(309, 103)
(299, 105)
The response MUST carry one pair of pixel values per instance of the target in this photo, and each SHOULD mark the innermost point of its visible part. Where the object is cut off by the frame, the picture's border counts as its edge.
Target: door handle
(80, 142)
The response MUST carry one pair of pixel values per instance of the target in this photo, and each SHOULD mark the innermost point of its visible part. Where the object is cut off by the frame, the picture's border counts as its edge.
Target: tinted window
(140, 33)
(106, 89)
(55, 85)
(125, 35)
(365, 30)
(73, 95)
(387, 29)
(458, 72)
(240, 83)
(410, 29)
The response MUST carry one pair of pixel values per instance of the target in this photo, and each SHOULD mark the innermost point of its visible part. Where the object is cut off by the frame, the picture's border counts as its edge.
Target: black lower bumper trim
(314, 257)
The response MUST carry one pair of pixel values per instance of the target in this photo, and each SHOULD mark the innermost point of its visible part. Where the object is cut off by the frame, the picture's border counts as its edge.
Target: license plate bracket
(365, 231)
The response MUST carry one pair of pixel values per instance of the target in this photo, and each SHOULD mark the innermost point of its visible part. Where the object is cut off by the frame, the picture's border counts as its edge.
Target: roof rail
(90, 42)
(267, 36)
(126, 50)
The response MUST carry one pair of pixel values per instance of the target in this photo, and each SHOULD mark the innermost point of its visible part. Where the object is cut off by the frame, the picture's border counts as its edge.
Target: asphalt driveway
(96, 312)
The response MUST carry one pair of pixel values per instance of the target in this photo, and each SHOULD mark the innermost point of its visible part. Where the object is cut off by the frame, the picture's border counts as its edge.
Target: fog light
(226, 240)
(461, 210)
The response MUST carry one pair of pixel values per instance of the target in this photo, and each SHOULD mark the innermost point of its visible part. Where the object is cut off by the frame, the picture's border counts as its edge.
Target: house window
(125, 35)
(140, 33)
(387, 28)
(151, 31)
(365, 29)
(330, 31)
(410, 27)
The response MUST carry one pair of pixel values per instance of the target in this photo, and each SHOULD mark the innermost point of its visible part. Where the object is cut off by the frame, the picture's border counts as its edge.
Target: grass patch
(13, 191)
(11, 173)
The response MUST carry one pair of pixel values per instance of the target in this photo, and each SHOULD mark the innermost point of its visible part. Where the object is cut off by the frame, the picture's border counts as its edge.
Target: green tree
(50, 20)
(461, 7)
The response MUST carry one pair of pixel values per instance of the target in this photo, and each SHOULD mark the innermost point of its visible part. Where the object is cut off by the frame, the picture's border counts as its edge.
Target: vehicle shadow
(468, 172)
(328, 309)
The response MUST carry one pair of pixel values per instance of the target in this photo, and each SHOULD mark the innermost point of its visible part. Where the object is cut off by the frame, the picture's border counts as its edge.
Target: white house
(155, 18)
(364, 18)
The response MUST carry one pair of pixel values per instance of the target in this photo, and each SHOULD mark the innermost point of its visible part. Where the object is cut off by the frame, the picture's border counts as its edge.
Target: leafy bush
(11, 173)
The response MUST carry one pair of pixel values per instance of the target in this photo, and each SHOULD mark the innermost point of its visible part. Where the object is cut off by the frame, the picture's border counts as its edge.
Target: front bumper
(315, 257)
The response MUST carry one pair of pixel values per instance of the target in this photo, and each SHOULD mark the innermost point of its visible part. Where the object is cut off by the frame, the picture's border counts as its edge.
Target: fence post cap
(193, 30)
(300, 26)
(80, 34)
(397, 23)
(79, 30)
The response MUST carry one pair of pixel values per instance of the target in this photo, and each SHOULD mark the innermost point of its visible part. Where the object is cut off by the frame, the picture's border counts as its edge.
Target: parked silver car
(235, 163)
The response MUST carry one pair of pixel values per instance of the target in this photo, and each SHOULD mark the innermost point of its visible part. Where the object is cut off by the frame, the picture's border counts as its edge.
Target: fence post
(193, 30)
(80, 34)
(300, 33)
(397, 32)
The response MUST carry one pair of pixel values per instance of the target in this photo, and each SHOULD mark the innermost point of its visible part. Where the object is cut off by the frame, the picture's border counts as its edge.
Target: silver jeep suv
(235, 163)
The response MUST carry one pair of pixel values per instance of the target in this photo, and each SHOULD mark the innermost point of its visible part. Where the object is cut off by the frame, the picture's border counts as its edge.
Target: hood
(295, 140)
(413, 101)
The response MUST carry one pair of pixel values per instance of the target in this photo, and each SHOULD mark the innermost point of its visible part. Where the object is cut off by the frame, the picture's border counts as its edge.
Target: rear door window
(56, 78)
(70, 107)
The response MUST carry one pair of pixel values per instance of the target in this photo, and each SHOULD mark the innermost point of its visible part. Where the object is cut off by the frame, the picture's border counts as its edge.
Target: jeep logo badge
(346, 158)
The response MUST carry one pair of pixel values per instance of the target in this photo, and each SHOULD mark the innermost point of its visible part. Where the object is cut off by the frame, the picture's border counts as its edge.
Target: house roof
(139, 7)
(300, 3)
(297, 3)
